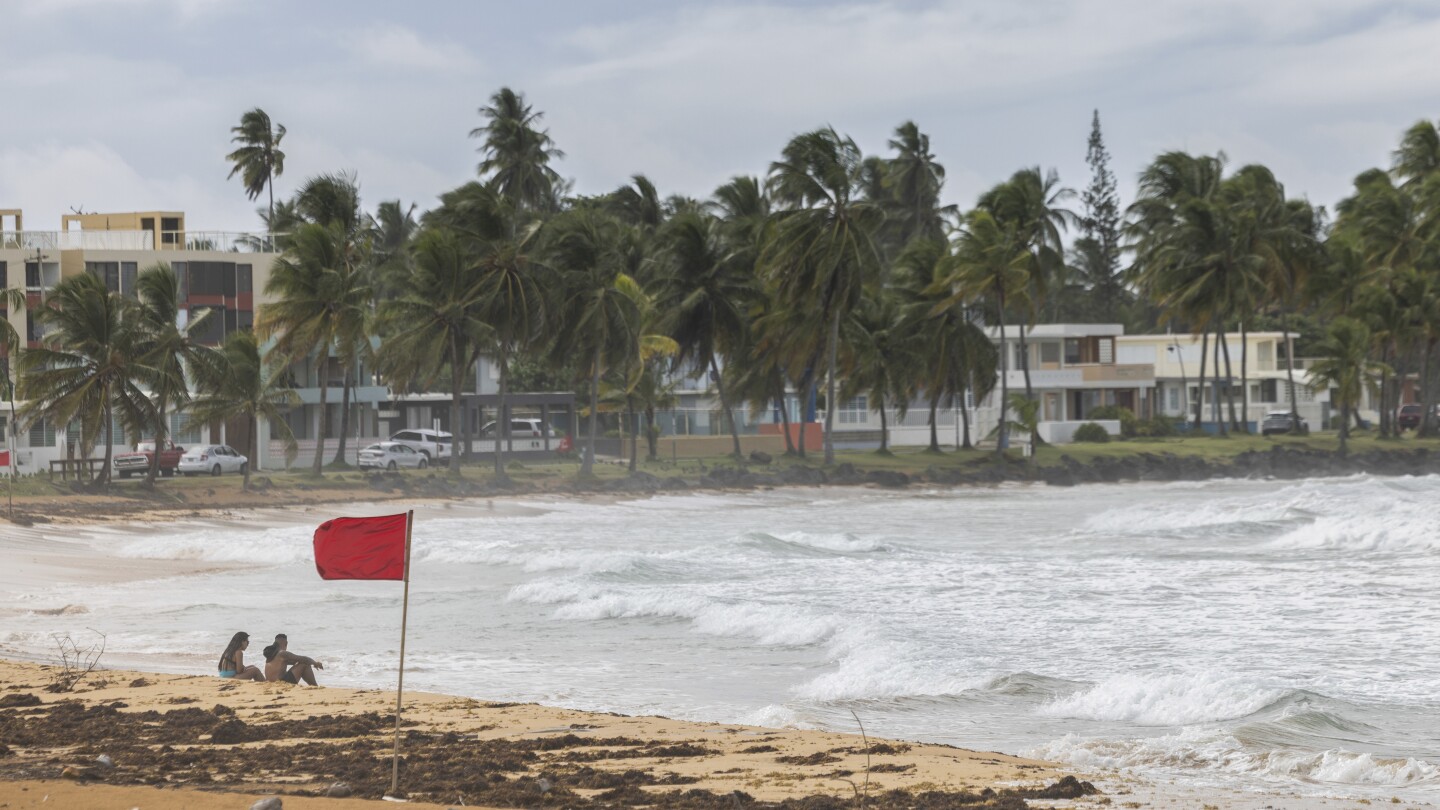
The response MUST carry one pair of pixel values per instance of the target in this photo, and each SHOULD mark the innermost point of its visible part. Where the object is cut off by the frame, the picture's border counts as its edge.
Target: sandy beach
(210, 738)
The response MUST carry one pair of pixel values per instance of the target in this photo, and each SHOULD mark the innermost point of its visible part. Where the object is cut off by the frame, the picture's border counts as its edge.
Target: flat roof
(1058, 330)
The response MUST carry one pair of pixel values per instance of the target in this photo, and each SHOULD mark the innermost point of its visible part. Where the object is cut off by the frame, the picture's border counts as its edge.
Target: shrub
(1157, 427)
(1091, 432)
(1127, 419)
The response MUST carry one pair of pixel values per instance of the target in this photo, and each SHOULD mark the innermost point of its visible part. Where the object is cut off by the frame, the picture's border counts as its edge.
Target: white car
(433, 444)
(214, 459)
(392, 456)
(520, 429)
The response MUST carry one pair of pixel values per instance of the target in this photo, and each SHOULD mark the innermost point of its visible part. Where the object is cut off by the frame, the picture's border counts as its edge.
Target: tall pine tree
(1096, 254)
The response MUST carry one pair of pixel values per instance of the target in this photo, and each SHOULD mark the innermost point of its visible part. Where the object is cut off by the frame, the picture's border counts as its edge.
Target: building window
(1269, 391)
(107, 272)
(1072, 351)
(32, 275)
(33, 332)
(128, 271)
(1050, 352)
(854, 412)
(183, 429)
(42, 433)
(244, 274)
(1107, 351)
(1173, 396)
(4, 275)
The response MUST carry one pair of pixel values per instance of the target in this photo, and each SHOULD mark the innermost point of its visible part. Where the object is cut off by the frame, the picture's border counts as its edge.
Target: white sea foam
(279, 546)
(1397, 529)
(1165, 700)
(1211, 751)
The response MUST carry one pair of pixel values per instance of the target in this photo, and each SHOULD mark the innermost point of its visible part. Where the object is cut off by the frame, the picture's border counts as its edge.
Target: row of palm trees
(836, 268)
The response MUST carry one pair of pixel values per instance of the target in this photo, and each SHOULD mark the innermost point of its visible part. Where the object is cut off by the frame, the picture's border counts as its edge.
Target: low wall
(673, 447)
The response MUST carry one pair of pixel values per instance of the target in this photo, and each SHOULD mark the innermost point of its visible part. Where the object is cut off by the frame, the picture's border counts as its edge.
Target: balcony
(219, 241)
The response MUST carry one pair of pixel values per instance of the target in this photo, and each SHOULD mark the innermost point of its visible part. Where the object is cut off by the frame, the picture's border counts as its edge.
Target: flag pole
(400, 688)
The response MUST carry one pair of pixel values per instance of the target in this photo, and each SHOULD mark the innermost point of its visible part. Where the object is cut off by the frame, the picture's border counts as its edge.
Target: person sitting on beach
(232, 661)
(283, 665)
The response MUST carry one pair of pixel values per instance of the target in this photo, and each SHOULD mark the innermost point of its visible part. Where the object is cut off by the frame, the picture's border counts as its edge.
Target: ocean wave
(1397, 528)
(1195, 749)
(811, 544)
(1165, 700)
(280, 546)
(766, 624)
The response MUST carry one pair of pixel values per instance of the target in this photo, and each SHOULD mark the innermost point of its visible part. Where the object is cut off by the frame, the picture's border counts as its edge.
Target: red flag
(361, 548)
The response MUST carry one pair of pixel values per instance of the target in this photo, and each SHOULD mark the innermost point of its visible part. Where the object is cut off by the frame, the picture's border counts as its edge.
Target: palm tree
(914, 179)
(598, 302)
(517, 154)
(1418, 157)
(1345, 367)
(706, 295)
(436, 320)
(235, 383)
(822, 254)
(166, 348)
(884, 359)
(1028, 207)
(1179, 237)
(89, 369)
(511, 283)
(990, 264)
(11, 299)
(258, 160)
(320, 306)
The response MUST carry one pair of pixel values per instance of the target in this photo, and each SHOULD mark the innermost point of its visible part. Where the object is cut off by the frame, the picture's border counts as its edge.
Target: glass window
(182, 272)
(183, 431)
(127, 278)
(1050, 352)
(42, 433)
(32, 274)
(4, 275)
(1072, 351)
(243, 278)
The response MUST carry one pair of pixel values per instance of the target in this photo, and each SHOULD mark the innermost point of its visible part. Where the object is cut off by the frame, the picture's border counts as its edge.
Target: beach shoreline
(201, 733)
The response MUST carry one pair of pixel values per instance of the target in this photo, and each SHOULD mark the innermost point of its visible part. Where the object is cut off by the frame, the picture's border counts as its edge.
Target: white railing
(219, 241)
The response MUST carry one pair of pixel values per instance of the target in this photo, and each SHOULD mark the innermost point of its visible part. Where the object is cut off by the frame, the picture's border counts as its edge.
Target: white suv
(520, 429)
(433, 444)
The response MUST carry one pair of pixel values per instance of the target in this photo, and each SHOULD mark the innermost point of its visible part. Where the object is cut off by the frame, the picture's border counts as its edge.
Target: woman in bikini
(232, 661)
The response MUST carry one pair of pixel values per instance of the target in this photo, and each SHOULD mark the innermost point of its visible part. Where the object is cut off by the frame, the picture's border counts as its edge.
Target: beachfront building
(1269, 364)
(220, 271)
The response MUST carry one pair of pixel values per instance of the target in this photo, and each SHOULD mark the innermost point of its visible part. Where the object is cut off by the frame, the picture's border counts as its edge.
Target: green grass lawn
(910, 460)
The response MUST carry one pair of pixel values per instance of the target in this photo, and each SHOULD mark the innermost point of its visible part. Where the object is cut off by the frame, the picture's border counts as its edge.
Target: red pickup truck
(138, 462)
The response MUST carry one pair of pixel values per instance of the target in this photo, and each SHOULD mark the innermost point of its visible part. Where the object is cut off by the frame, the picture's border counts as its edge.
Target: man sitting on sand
(283, 665)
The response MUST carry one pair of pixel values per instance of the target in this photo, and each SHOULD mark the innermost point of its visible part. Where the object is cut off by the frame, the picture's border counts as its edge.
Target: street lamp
(1174, 348)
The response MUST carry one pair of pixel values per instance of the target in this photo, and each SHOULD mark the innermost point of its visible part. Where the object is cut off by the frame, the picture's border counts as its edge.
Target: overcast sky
(122, 105)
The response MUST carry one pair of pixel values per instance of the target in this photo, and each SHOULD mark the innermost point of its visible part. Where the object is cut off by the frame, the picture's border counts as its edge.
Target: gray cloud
(128, 104)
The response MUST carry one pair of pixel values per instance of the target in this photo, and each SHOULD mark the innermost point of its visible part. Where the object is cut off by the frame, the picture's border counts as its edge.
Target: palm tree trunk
(1427, 402)
(270, 183)
(319, 463)
(104, 478)
(1344, 426)
(250, 455)
(1003, 437)
(785, 420)
(1385, 392)
(457, 385)
(934, 429)
(634, 434)
(1216, 410)
(725, 405)
(587, 466)
(154, 471)
(344, 415)
(1229, 381)
(1290, 370)
(807, 381)
(1244, 379)
(884, 429)
(965, 423)
(1025, 361)
(652, 448)
(502, 418)
(831, 366)
(1200, 392)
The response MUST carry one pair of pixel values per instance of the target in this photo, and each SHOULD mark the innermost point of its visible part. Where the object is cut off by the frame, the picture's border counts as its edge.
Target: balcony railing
(220, 241)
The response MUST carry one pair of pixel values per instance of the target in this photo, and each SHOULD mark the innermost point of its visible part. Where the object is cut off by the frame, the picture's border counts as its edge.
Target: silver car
(1282, 422)
(392, 456)
(214, 459)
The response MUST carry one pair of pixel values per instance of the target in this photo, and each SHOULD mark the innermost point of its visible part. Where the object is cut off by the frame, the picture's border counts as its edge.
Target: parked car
(138, 462)
(214, 459)
(1408, 417)
(392, 456)
(520, 429)
(1282, 422)
(435, 445)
